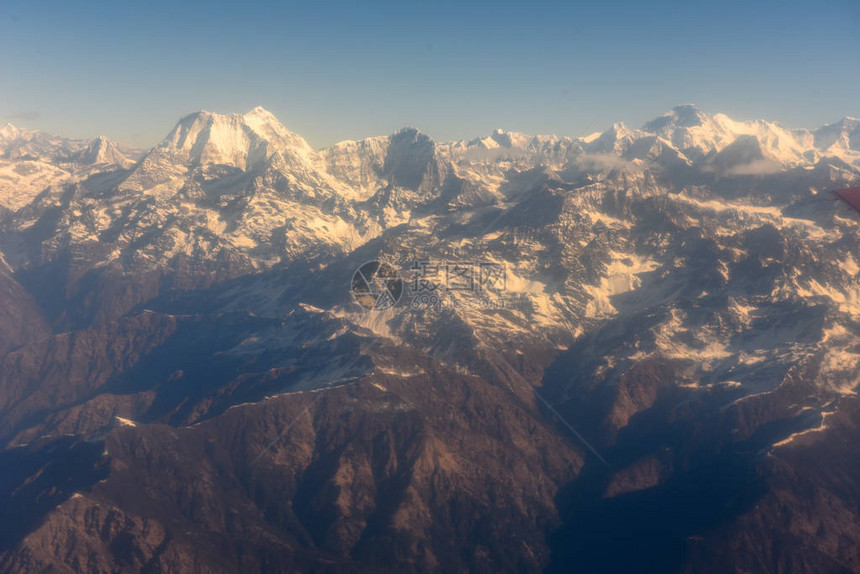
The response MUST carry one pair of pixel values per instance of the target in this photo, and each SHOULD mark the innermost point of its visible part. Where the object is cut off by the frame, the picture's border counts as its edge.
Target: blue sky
(345, 70)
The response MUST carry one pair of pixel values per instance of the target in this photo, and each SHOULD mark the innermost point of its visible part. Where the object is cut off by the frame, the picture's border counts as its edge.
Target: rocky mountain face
(645, 339)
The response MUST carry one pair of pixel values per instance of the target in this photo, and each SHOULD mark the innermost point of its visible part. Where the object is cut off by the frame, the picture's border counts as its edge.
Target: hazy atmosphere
(344, 70)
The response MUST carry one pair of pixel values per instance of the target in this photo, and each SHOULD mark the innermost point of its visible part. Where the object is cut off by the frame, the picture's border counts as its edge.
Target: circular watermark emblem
(377, 285)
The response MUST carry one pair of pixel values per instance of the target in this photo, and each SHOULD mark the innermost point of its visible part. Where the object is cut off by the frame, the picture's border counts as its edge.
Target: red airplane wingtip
(851, 196)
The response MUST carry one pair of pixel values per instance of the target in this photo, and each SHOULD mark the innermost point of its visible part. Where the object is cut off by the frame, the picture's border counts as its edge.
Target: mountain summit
(243, 141)
(102, 151)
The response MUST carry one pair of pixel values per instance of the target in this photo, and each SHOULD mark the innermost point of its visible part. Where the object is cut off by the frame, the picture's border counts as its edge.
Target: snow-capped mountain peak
(266, 124)
(102, 150)
(683, 116)
(698, 135)
(840, 136)
(242, 141)
(511, 139)
(9, 131)
(613, 140)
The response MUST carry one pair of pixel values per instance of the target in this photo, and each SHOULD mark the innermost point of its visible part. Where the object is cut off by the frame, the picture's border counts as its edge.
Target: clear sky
(454, 69)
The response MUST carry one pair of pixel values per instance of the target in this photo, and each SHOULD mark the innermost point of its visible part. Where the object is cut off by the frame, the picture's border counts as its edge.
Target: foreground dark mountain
(667, 365)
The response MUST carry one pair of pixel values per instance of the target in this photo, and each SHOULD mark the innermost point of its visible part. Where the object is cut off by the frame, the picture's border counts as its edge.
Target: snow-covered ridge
(248, 141)
(242, 141)
(19, 144)
(32, 161)
(245, 183)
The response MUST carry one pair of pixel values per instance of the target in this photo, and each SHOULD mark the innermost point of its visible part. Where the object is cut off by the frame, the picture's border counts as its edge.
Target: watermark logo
(430, 284)
(377, 285)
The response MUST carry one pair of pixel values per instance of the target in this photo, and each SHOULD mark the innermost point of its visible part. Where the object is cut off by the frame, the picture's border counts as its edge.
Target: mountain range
(663, 380)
